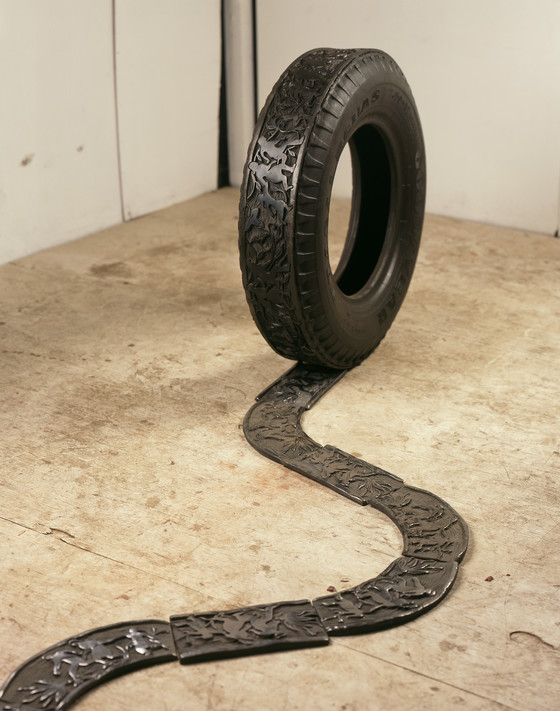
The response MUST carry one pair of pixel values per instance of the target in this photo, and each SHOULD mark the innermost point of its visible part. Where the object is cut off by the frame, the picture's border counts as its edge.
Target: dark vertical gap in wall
(255, 62)
(116, 100)
(223, 152)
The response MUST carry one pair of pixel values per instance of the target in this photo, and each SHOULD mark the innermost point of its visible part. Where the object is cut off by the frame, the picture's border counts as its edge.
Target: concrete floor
(128, 360)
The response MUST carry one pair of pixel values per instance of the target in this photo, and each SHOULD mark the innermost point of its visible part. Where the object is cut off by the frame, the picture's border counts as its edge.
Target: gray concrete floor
(128, 360)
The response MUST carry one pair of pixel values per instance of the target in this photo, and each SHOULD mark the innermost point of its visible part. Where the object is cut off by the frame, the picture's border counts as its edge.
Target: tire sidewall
(358, 322)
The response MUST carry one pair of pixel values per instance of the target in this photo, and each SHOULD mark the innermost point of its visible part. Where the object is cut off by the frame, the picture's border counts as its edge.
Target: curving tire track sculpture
(301, 318)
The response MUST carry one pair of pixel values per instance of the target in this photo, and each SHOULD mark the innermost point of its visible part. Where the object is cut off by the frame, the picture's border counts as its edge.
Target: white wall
(486, 78)
(59, 144)
(168, 55)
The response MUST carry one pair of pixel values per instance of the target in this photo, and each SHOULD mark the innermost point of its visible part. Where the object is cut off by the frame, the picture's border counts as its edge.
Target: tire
(324, 100)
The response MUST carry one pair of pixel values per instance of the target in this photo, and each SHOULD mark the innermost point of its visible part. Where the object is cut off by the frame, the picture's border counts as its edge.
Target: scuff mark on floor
(524, 636)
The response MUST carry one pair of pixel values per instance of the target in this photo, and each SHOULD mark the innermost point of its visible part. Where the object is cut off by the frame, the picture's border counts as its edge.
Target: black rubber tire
(325, 99)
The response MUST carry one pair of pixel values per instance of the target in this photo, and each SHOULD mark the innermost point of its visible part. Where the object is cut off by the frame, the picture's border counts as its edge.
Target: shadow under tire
(328, 98)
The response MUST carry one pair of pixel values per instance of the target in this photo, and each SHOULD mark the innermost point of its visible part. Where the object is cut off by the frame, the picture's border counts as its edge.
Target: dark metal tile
(55, 678)
(406, 589)
(248, 630)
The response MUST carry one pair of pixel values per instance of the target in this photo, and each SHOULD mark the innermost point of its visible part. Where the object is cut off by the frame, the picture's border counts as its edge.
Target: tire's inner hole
(340, 209)
(357, 233)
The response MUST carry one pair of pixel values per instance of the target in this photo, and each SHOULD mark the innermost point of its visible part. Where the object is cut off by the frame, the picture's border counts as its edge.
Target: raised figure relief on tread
(269, 202)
